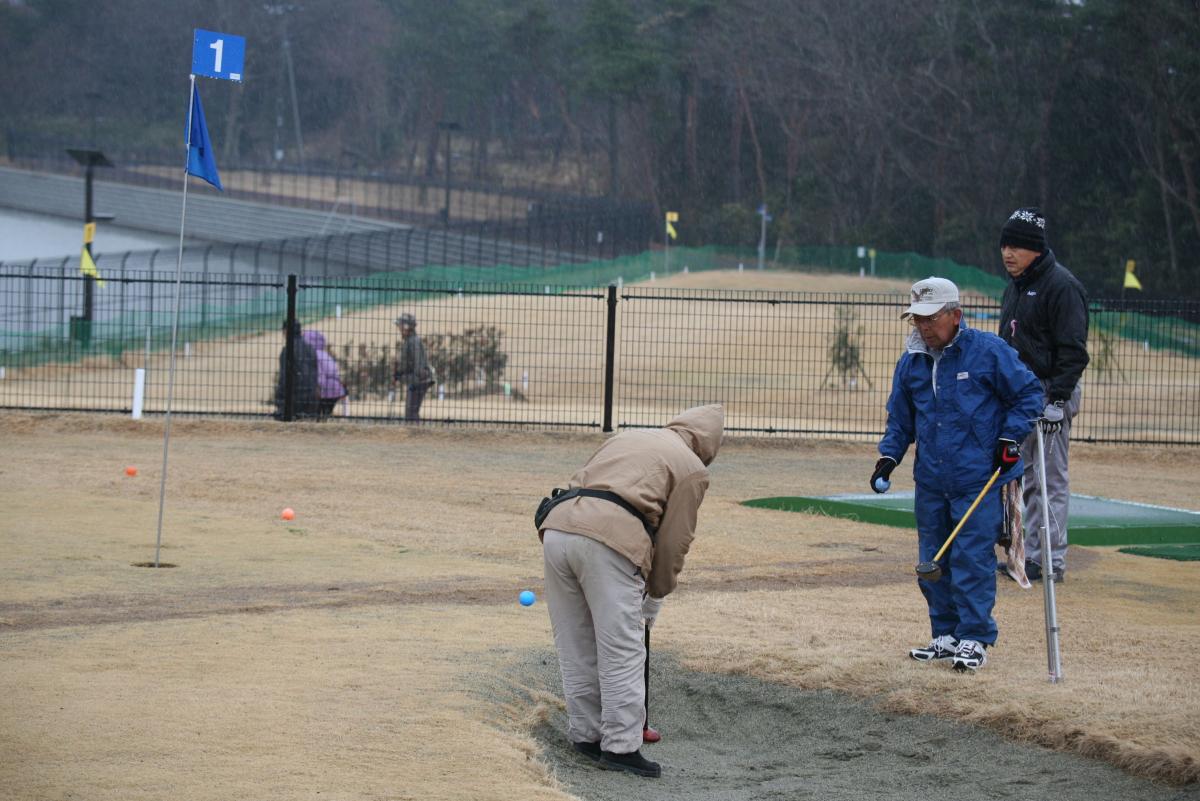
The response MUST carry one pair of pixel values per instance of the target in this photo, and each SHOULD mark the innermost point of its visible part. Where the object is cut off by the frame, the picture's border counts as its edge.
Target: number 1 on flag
(218, 55)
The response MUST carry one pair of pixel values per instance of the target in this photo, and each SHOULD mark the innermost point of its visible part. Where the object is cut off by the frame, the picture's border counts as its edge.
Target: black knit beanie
(1026, 228)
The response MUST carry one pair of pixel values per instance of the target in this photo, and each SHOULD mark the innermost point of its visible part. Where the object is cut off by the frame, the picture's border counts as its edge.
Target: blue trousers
(961, 602)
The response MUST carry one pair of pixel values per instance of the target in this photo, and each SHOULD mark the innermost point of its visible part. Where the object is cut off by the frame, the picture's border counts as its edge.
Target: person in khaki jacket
(606, 577)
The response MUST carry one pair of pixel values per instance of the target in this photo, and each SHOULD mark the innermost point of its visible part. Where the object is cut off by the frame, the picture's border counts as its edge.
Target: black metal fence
(546, 356)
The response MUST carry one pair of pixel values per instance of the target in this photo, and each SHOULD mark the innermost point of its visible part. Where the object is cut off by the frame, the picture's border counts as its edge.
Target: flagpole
(162, 482)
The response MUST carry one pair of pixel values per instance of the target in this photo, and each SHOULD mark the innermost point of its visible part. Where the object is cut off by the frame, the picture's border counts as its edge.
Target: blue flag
(201, 162)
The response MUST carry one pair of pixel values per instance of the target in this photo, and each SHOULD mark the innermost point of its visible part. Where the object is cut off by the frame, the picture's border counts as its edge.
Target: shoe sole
(604, 763)
(929, 658)
(963, 667)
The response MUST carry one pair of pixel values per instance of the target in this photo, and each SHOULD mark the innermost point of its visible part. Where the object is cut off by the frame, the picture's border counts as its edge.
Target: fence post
(610, 348)
(289, 354)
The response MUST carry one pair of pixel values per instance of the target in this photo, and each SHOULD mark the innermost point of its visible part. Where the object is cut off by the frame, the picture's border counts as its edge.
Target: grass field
(373, 647)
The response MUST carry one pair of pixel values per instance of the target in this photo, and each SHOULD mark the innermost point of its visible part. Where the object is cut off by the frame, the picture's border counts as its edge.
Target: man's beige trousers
(595, 600)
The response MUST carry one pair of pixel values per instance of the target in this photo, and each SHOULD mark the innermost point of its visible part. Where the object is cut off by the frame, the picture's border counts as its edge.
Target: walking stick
(1053, 655)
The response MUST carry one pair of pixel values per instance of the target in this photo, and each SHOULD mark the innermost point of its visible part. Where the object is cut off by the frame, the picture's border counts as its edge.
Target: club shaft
(647, 671)
(953, 534)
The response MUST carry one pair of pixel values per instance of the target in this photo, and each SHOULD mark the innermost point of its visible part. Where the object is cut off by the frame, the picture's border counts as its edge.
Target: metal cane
(1053, 655)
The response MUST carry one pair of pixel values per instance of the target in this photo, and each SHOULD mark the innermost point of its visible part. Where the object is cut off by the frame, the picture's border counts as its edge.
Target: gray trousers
(595, 600)
(1058, 488)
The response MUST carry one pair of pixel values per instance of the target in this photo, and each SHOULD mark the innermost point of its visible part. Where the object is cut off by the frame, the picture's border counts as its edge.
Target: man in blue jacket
(967, 400)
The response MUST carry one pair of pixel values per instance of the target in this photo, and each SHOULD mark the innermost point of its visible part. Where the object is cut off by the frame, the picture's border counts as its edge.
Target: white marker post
(139, 391)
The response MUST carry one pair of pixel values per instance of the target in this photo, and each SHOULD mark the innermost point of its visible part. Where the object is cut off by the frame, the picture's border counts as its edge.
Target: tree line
(906, 125)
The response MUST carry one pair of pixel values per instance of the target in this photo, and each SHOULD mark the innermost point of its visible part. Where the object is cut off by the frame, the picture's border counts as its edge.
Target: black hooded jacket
(1044, 316)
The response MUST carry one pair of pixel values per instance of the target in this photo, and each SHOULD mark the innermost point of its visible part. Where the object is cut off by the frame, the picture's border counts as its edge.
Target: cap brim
(924, 309)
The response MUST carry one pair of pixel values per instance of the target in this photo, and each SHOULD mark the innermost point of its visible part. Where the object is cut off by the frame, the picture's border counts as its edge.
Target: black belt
(558, 495)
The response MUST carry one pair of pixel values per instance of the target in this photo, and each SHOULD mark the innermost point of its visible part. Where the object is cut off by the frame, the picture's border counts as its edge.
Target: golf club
(649, 735)
(932, 571)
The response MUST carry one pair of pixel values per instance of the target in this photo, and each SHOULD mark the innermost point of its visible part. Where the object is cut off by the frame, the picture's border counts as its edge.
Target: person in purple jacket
(329, 380)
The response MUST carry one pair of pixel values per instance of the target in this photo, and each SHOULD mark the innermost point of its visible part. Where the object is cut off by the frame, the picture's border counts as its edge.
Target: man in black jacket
(1044, 316)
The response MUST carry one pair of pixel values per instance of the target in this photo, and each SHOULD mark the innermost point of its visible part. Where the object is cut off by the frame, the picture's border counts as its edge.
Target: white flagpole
(162, 483)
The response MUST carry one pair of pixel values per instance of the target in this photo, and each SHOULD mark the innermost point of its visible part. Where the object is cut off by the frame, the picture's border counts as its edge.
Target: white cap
(930, 295)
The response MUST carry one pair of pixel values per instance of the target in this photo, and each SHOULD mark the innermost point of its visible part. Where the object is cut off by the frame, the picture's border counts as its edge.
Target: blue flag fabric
(201, 162)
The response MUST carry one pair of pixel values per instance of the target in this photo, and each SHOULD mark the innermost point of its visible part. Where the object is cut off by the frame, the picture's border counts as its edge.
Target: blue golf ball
(882, 485)
(527, 598)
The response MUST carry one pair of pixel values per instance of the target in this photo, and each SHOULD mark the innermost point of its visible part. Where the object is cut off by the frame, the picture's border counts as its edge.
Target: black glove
(1008, 453)
(1052, 417)
(883, 469)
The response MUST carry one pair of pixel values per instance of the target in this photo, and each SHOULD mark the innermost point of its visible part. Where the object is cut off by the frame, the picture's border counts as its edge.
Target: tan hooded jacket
(664, 474)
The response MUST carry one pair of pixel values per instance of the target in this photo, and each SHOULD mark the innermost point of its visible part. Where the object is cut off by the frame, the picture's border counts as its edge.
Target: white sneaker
(971, 655)
(943, 647)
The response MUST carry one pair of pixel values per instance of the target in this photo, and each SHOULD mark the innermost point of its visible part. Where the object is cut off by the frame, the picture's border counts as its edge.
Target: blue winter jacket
(984, 394)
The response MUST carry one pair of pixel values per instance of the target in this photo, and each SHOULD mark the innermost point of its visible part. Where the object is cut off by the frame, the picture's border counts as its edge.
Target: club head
(929, 571)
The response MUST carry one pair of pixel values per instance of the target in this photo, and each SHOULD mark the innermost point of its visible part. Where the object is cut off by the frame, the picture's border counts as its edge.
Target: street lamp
(449, 128)
(81, 326)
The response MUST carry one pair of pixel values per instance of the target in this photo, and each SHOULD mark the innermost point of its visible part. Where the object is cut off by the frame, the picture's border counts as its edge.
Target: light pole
(81, 326)
(281, 10)
(449, 128)
(762, 234)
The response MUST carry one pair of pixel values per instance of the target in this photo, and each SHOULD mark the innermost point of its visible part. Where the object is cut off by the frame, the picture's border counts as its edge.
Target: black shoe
(633, 763)
(1033, 571)
(589, 750)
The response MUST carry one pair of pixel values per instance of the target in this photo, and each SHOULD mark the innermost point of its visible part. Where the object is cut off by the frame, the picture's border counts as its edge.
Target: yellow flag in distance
(88, 267)
(1131, 280)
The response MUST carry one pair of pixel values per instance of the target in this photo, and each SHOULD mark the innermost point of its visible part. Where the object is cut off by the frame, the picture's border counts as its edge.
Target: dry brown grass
(338, 653)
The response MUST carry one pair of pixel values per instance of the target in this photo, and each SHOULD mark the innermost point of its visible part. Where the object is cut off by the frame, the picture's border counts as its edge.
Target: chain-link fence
(564, 353)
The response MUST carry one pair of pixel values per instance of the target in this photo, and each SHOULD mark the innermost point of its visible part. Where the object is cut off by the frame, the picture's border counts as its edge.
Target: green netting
(629, 269)
(1156, 332)
(1092, 520)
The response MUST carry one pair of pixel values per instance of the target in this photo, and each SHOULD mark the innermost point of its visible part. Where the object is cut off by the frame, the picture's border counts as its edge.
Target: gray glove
(650, 609)
(1052, 417)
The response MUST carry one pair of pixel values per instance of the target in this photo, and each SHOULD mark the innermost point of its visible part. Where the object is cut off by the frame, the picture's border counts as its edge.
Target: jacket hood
(314, 338)
(701, 427)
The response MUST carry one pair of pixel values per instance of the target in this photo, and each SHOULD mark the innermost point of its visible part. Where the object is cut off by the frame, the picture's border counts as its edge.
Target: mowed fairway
(356, 651)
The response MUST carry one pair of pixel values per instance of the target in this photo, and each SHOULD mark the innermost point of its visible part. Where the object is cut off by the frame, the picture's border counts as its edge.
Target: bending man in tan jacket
(606, 577)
